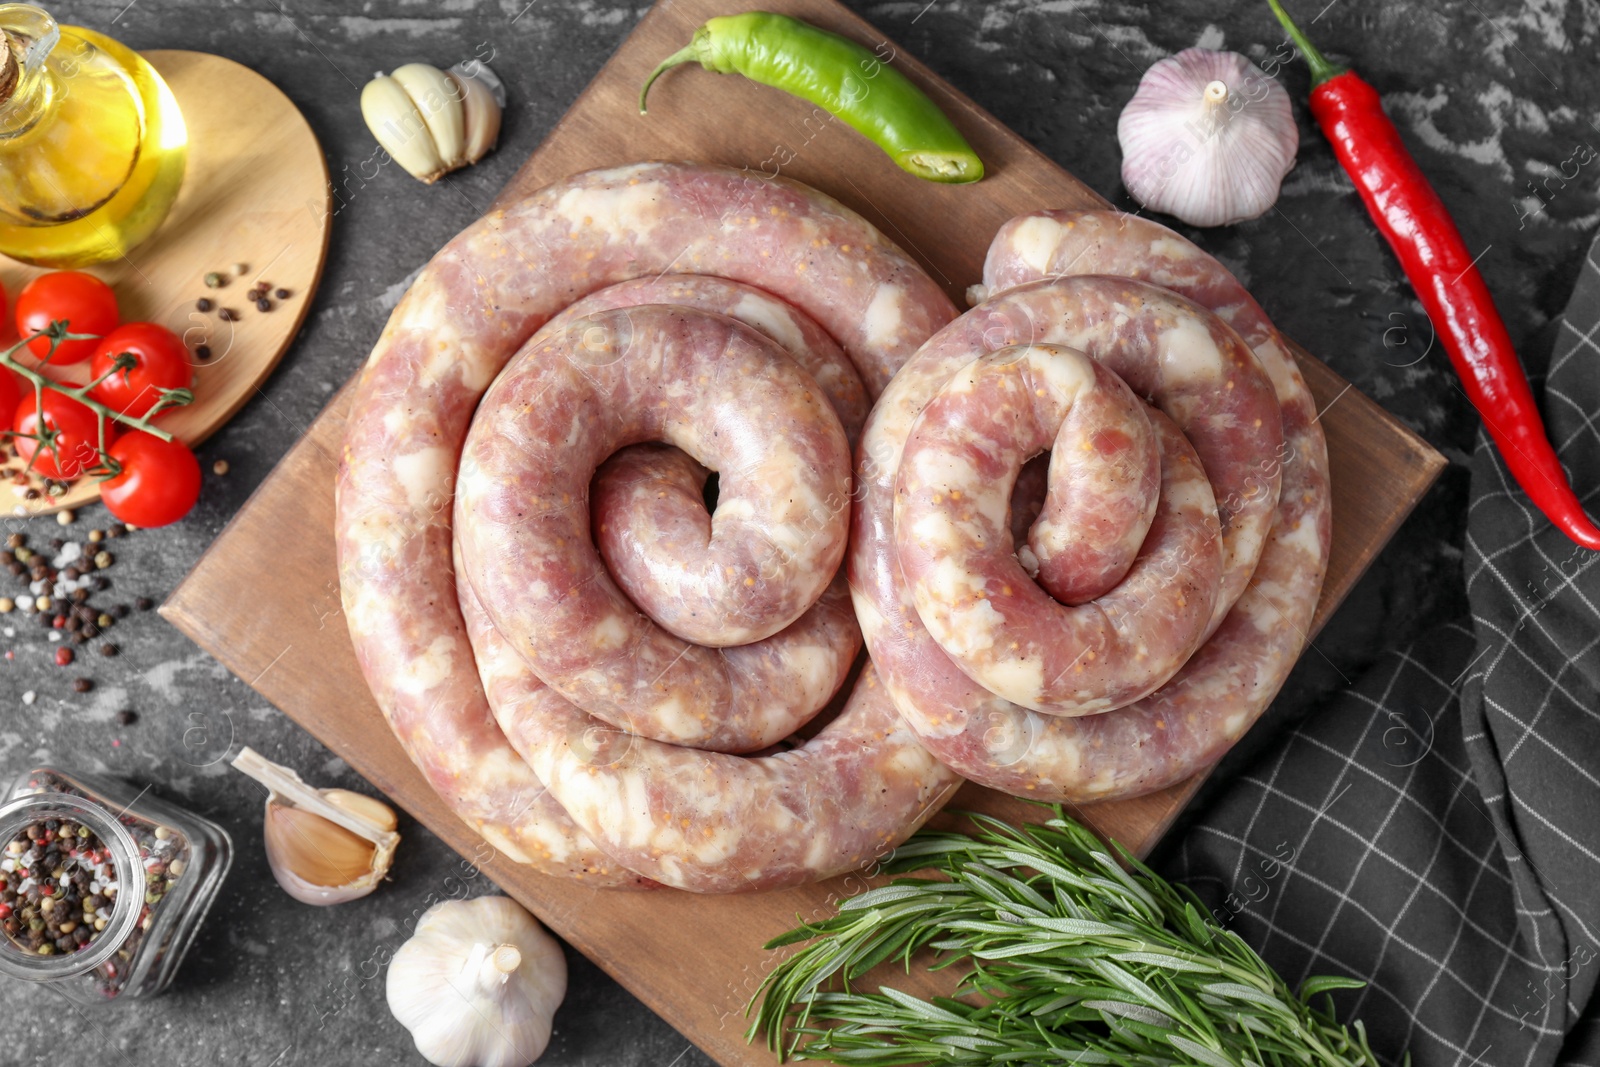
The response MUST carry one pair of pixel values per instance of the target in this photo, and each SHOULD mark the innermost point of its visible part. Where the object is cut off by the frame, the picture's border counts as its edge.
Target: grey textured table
(1492, 98)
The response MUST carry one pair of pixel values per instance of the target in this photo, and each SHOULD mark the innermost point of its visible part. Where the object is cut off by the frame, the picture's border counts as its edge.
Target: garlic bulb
(478, 984)
(433, 121)
(1208, 137)
(325, 846)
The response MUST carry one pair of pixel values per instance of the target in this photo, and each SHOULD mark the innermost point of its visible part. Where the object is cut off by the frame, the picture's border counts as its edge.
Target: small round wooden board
(255, 193)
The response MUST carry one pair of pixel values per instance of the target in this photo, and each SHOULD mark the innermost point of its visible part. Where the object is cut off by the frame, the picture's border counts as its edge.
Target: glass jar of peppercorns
(102, 887)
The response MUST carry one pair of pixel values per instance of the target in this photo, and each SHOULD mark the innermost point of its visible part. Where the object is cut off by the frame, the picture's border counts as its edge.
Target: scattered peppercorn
(263, 304)
(241, 268)
(202, 351)
(127, 717)
(108, 650)
(16, 540)
(63, 657)
(228, 315)
(120, 611)
(214, 280)
(82, 685)
(103, 559)
(282, 294)
(65, 517)
(104, 621)
(220, 467)
(203, 304)
(143, 603)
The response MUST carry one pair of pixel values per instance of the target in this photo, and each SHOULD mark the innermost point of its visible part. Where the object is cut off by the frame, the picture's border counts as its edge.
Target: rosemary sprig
(106, 466)
(1070, 957)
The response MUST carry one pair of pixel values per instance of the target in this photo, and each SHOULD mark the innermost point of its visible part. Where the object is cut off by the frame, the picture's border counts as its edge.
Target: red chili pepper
(1416, 224)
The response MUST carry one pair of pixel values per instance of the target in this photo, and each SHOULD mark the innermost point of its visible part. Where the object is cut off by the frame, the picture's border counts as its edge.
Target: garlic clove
(400, 128)
(481, 106)
(323, 846)
(438, 100)
(1208, 137)
(375, 812)
(317, 852)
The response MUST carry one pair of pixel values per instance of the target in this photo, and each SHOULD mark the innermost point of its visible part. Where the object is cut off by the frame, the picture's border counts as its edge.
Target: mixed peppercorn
(58, 887)
(261, 295)
(62, 589)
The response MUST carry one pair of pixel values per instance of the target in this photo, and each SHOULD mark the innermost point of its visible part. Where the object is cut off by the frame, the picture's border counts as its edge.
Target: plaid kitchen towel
(1435, 830)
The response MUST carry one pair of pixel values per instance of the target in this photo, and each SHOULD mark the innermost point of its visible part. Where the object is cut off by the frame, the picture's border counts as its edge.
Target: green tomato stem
(80, 393)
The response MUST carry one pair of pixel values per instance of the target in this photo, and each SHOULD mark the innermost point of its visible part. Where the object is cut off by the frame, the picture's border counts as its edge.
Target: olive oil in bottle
(92, 145)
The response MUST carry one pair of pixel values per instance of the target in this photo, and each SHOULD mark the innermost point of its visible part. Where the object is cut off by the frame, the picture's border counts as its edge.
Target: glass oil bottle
(92, 144)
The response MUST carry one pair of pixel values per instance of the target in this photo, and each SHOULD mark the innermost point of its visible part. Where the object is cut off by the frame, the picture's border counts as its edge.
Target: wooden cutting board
(265, 599)
(255, 193)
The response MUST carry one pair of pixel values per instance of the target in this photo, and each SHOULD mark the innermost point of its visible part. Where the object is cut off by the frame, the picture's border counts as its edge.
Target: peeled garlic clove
(314, 851)
(481, 100)
(324, 846)
(1207, 137)
(400, 128)
(375, 812)
(438, 101)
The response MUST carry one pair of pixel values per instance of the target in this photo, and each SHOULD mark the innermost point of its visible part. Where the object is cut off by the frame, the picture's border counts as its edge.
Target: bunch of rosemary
(1071, 959)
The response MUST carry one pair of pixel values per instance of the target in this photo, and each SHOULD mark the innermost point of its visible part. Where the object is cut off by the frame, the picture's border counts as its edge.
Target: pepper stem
(683, 55)
(1321, 69)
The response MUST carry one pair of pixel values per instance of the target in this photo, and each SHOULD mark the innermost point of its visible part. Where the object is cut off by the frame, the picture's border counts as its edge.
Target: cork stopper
(9, 68)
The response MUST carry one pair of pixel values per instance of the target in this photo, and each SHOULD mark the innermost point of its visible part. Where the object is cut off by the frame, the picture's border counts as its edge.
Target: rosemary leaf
(1070, 954)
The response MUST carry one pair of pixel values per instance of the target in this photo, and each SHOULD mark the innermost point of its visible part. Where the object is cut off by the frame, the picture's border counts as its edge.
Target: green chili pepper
(839, 76)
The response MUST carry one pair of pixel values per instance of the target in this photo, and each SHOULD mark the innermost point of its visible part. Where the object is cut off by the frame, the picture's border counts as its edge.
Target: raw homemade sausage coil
(494, 605)
(605, 677)
(1108, 689)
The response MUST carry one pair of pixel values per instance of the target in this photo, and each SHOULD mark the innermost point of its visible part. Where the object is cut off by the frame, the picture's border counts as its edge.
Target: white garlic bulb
(1207, 137)
(478, 984)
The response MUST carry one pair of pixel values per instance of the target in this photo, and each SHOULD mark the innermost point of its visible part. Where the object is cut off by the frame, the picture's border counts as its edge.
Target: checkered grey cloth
(1435, 830)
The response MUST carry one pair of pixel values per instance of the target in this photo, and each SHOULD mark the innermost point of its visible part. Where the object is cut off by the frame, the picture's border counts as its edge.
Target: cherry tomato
(77, 443)
(10, 395)
(159, 483)
(160, 362)
(84, 301)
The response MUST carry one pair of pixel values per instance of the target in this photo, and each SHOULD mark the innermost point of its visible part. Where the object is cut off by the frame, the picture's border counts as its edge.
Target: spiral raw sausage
(476, 305)
(1036, 293)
